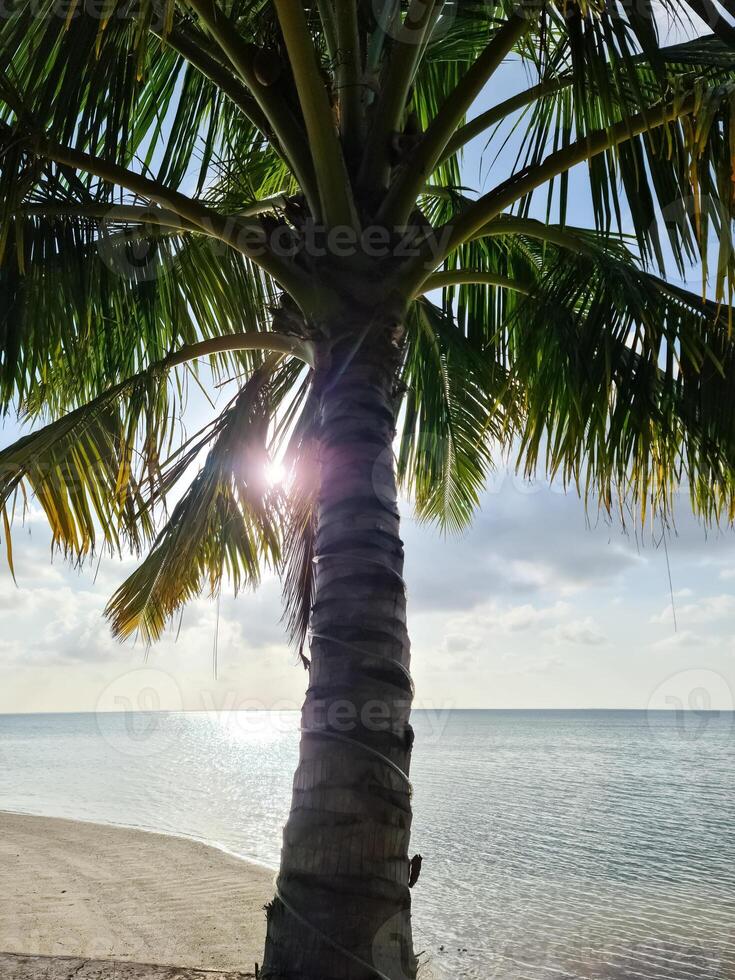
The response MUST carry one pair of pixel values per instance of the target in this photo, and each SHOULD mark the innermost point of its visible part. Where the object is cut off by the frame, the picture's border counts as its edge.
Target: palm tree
(271, 189)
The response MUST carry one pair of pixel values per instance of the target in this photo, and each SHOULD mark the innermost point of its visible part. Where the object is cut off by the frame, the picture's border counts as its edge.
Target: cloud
(56, 624)
(507, 619)
(708, 611)
(683, 640)
(583, 632)
(554, 625)
(519, 547)
(525, 617)
(459, 643)
(55, 615)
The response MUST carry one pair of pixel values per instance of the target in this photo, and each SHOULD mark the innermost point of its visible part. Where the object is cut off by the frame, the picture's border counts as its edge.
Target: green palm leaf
(225, 527)
(626, 379)
(86, 470)
(457, 404)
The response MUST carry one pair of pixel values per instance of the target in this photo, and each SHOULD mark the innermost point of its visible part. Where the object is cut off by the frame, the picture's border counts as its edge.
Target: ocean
(556, 844)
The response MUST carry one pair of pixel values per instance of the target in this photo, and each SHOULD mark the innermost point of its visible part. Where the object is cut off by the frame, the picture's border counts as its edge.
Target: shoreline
(101, 892)
(214, 845)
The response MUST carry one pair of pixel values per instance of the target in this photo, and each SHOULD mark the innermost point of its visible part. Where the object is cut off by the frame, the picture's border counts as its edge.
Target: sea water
(556, 844)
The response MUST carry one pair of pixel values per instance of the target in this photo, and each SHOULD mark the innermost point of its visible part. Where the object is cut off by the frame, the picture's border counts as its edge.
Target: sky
(538, 605)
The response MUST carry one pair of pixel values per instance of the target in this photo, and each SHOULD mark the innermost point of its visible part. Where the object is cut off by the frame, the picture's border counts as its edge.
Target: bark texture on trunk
(344, 906)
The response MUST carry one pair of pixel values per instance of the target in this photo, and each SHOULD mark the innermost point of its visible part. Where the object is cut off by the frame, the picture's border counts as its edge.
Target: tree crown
(244, 183)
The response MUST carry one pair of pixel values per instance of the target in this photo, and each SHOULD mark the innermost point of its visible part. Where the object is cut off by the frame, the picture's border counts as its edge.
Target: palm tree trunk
(342, 911)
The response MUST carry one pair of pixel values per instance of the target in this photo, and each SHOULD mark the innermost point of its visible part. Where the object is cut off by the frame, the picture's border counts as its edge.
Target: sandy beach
(88, 894)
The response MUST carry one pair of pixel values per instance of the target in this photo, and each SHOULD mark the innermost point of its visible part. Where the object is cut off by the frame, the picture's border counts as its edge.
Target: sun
(275, 473)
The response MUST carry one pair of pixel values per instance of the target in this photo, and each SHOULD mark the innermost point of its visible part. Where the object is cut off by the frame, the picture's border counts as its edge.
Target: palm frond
(84, 303)
(224, 529)
(456, 402)
(299, 549)
(119, 86)
(674, 178)
(87, 471)
(627, 382)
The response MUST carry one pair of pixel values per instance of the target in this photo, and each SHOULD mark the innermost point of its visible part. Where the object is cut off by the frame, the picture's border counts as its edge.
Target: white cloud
(683, 640)
(520, 547)
(581, 631)
(496, 618)
(708, 610)
(553, 625)
(527, 617)
(458, 643)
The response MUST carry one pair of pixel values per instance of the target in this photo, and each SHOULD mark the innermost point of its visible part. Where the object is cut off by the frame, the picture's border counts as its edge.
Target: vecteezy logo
(135, 251)
(694, 699)
(132, 712)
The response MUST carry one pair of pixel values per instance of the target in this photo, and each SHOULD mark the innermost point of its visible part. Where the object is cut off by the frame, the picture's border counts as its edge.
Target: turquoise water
(560, 845)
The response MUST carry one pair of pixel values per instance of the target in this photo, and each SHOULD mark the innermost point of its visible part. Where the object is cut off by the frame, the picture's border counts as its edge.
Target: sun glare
(275, 473)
